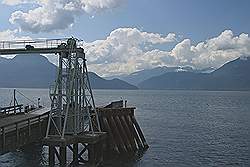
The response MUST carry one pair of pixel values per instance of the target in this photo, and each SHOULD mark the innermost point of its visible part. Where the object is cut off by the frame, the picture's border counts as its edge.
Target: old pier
(73, 124)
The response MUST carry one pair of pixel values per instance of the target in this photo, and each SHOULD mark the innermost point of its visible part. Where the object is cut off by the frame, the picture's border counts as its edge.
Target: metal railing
(36, 43)
(11, 110)
(40, 43)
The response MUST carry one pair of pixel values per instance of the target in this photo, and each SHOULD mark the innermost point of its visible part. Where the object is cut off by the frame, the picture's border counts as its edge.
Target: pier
(72, 125)
(121, 134)
(22, 129)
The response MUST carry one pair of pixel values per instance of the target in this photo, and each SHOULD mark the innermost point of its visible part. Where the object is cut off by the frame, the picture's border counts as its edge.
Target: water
(183, 128)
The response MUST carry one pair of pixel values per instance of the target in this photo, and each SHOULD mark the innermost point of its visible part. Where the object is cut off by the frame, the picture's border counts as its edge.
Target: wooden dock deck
(19, 130)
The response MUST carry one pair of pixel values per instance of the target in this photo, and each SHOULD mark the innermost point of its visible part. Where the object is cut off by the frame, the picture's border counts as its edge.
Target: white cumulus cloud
(214, 52)
(56, 14)
(125, 51)
(10, 35)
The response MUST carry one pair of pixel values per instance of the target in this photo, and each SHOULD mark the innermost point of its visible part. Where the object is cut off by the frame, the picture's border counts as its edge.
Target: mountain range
(233, 75)
(137, 77)
(35, 71)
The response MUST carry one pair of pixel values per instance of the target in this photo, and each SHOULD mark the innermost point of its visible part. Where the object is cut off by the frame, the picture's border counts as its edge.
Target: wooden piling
(122, 146)
(123, 134)
(63, 157)
(112, 142)
(139, 132)
(123, 130)
(29, 128)
(92, 142)
(51, 156)
(134, 133)
(3, 138)
(17, 135)
(91, 154)
(129, 133)
(75, 154)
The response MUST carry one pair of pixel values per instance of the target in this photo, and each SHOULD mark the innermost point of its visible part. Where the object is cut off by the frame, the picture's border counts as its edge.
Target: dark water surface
(183, 128)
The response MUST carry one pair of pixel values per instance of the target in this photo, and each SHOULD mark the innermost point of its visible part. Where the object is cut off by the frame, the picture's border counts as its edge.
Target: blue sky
(194, 20)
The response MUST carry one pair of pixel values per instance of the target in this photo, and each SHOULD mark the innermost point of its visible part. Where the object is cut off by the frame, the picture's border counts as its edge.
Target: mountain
(231, 76)
(31, 71)
(140, 76)
(99, 83)
(234, 75)
(35, 71)
(175, 80)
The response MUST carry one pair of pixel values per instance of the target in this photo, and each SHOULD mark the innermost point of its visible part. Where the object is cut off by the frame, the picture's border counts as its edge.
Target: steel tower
(72, 104)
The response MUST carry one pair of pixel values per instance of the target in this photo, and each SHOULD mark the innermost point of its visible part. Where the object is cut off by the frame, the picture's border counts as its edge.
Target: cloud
(56, 15)
(9, 35)
(214, 52)
(125, 51)
(16, 2)
(14, 35)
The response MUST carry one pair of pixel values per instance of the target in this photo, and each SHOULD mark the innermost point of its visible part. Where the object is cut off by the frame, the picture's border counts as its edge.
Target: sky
(124, 36)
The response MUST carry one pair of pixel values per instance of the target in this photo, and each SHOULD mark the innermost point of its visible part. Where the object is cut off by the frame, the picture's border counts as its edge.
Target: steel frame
(72, 104)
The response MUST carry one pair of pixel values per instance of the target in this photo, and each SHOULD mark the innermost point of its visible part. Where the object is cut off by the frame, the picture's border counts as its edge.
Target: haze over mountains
(35, 71)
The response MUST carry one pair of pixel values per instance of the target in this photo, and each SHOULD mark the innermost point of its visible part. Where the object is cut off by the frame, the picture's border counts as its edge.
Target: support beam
(63, 157)
(75, 154)
(51, 156)
(140, 132)
(37, 51)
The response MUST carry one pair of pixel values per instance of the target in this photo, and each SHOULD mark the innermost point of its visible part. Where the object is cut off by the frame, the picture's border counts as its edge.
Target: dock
(120, 134)
(22, 129)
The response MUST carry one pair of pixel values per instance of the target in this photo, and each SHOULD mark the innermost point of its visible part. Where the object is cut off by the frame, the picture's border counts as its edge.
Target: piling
(124, 135)
(91, 144)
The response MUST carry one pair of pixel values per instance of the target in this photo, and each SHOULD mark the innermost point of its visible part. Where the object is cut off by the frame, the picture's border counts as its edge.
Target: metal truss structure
(72, 104)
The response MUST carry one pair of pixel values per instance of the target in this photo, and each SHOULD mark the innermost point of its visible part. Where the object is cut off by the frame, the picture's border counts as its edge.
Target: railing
(20, 133)
(115, 104)
(11, 110)
(38, 43)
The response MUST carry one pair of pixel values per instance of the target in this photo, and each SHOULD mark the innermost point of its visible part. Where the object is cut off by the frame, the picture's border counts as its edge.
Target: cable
(26, 97)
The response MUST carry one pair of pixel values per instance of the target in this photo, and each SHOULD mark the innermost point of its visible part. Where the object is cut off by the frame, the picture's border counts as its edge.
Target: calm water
(183, 128)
